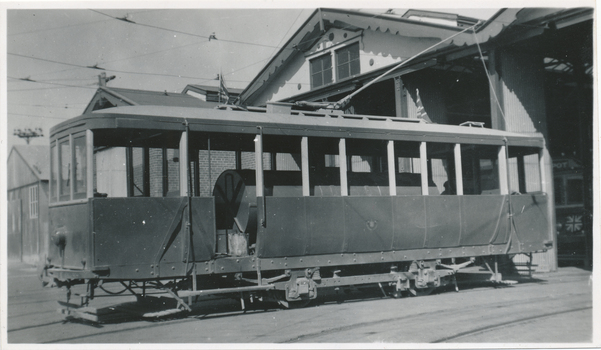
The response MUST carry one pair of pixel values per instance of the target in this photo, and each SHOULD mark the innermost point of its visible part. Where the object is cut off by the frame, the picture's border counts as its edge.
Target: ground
(547, 308)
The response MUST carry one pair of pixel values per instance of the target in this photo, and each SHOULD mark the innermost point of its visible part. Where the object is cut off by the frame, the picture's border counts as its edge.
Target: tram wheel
(418, 292)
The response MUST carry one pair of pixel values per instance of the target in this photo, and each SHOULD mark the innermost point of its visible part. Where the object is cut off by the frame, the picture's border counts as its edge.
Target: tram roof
(294, 123)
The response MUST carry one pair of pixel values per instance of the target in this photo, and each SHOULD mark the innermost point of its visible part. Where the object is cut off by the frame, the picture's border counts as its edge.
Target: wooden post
(391, 168)
(458, 170)
(72, 169)
(423, 161)
(343, 167)
(183, 164)
(90, 163)
(305, 165)
(503, 180)
(259, 162)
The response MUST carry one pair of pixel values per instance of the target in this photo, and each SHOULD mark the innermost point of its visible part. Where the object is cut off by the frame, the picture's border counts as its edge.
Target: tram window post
(521, 174)
(391, 168)
(343, 167)
(54, 175)
(503, 178)
(541, 167)
(71, 169)
(423, 160)
(458, 169)
(183, 164)
(90, 163)
(305, 165)
(259, 162)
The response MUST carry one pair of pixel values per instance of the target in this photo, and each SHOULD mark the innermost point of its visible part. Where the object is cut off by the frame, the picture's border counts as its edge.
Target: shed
(107, 97)
(28, 173)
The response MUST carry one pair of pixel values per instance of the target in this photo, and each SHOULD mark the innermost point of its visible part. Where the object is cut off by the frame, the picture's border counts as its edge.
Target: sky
(49, 52)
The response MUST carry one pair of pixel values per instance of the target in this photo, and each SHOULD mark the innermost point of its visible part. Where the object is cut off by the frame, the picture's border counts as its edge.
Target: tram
(278, 203)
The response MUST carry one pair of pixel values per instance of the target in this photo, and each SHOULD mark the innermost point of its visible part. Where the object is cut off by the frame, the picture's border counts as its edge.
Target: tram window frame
(524, 170)
(323, 168)
(158, 149)
(80, 167)
(408, 164)
(64, 185)
(367, 167)
(53, 188)
(474, 159)
(441, 168)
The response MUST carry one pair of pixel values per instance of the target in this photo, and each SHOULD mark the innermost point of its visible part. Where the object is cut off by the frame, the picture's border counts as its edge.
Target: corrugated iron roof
(208, 88)
(134, 97)
(37, 158)
(157, 98)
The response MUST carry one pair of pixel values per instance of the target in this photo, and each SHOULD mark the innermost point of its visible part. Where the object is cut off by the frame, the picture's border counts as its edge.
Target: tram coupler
(301, 285)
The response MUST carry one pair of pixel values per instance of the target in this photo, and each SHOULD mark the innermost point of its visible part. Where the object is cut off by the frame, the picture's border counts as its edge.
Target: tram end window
(110, 172)
(524, 170)
(81, 166)
(480, 169)
(64, 172)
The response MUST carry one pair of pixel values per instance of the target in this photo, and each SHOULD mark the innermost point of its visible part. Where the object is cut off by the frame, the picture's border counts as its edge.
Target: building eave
(311, 31)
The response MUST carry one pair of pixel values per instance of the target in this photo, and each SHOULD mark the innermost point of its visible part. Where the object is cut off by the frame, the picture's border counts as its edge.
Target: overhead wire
(181, 32)
(38, 116)
(345, 100)
(69, 26)
(44, 82)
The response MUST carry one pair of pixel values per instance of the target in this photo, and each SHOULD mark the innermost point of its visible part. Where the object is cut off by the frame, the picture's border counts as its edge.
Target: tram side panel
(337, 225)
(140, 238)
(531, 223)
(69, 246)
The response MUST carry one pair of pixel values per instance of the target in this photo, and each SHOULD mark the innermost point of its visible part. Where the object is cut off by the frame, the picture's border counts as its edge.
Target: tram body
(255, 200)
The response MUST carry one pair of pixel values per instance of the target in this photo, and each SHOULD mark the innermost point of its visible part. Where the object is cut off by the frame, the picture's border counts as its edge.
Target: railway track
(455, 320)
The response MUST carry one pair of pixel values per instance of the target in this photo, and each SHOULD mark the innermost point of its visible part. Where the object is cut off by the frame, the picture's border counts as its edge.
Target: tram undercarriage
(293, 288)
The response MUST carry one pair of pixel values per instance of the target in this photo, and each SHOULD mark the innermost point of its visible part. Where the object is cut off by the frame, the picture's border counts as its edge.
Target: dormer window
(321, 71)
(347, 61)
(344, 57)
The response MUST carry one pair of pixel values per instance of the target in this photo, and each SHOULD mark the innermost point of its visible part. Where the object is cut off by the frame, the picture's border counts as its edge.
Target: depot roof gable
(322, 20)
(107, 97)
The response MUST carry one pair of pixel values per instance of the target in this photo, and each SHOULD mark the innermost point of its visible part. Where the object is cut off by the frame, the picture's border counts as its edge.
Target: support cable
(340, 104)
(492, 87)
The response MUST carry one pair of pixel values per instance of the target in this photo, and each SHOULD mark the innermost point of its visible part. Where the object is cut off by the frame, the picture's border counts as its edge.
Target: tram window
(324, 173)
(157, 183)
(110, 172)
(65, 169)
(367, 168)
(137, 172)
(172, 182)
(220, 161)
(81, 165)
(480, 169)
(441, 167)
(408, 168)
(524, 170)
(287, 161)
(53, 171)
(574, 191)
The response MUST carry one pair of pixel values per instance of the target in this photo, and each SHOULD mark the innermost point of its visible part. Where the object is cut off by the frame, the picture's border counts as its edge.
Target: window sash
(347, 61)
(33, 202)
(321, 71)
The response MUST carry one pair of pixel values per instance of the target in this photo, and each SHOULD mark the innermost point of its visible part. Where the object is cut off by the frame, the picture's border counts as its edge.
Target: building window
(347, 61)
(33, 202)
(321, 71)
